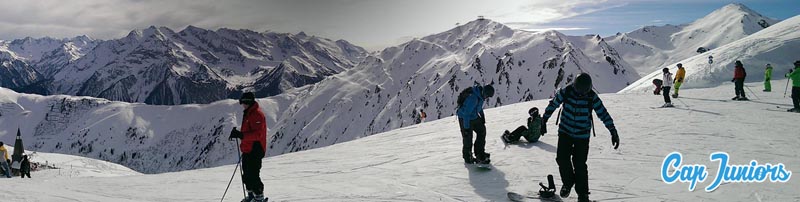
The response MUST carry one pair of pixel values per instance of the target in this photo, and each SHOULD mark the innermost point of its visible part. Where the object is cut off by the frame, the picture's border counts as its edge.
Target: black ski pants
(478, 126)
(796, 97)
(571, 156)
(251, 168)
(666, 94)
(739, 83)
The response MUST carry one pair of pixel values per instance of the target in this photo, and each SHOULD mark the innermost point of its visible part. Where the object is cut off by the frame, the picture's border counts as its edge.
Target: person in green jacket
(795, 76)
(768, 79)
(531, 133)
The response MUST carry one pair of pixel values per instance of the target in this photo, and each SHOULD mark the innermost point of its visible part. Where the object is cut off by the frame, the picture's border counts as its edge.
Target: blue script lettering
(683, 173)
(746, 173)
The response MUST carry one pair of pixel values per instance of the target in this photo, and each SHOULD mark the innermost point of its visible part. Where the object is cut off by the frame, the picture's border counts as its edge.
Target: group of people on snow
(24, 166)
(577, 101)
(739, 76)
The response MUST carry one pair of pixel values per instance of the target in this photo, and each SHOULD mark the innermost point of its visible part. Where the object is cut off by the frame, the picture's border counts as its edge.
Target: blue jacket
(575, 118)
(472, 107)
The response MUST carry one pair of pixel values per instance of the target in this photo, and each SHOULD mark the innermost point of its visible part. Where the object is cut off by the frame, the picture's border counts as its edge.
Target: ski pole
(751, 91)
(241, 171)
(231, 180)
(786, 89)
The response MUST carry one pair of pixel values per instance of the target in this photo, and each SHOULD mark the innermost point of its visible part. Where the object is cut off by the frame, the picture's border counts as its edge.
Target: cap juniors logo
(672, 170)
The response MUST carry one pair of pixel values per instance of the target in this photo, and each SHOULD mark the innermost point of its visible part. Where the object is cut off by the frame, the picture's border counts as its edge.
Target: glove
(235, 133)
(732, 80)
(544, 127)
(614, 138)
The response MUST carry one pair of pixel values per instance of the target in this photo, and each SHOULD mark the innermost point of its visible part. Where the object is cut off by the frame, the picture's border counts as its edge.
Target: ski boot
(469, 159)
(260, 198)
(735, 98)
(483, 159)
(668, 104)
(743, 99)
(250, 197)
(565, 190)
(793, 110)
(674, 95)
(506, 138)
(583, 198)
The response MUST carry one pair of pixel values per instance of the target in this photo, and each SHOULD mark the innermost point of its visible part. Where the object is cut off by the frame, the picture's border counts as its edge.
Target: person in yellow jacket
(679, 76)
(4, 162)
(768, 78)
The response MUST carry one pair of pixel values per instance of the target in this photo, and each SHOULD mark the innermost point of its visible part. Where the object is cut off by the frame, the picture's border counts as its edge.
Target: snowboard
(522, 198)
(485, 167)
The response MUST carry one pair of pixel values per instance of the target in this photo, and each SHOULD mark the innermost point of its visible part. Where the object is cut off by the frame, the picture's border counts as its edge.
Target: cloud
(370, 23)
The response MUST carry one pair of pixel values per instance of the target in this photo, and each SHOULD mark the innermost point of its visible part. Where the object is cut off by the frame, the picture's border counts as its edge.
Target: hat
(488, 91)
(583, 83)
(247, 98)
(680, 65)
(738, 63)
(533, 111)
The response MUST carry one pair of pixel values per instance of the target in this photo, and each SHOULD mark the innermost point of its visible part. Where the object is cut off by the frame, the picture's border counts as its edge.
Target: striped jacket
(575, 118)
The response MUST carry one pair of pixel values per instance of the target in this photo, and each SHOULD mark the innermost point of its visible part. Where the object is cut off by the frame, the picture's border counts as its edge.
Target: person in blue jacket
(578, 101)
(471, 119)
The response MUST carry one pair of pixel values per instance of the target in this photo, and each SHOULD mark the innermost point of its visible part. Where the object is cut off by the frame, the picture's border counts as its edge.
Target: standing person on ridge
(795, 76)
(667, 84)
(253, 146)
(679, 76)
(739, 74)
(578, 101)
(471, 119)
(768, 78)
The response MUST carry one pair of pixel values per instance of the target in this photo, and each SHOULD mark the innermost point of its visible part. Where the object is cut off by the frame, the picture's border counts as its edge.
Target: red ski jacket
(254, 129)
(739, 73)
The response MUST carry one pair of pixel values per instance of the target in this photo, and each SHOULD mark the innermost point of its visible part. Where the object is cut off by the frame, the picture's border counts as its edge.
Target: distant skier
(666, 86)
(4, 163)
(739, 75)
(25, 167)
(710, 59)
(657, 83)
(679, 76)
(471, 119)
(573, 133)
(253, 146)
(422, 116)
(768, 79)
(795, 76)
(531, 133)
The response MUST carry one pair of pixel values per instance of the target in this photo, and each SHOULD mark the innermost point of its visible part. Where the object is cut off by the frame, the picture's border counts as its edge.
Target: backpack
(463, 96)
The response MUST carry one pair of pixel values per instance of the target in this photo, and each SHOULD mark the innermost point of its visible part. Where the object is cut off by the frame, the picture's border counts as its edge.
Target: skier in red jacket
(253, 146)
(738, 78)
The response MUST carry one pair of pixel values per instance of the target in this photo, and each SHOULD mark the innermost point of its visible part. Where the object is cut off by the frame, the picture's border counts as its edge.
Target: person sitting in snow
(578, 101)
(471, 119)
(739, 74)
(25, 167)
(657, 83)
(795, 76)
(531, 133)
(666, 86)
(253, 146)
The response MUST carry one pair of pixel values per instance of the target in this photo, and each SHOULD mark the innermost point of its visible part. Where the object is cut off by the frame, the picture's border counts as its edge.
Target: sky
(373, 24)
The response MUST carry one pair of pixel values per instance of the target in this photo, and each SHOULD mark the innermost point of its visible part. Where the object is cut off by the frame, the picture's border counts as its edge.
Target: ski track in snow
(422, 162)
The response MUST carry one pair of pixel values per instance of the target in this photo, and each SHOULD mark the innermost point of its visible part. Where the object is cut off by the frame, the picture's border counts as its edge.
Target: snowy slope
(160, 66)
(69, 166)
(422, 162)
(777, 45)
(146, 138)
(653, 47)
(386, 91)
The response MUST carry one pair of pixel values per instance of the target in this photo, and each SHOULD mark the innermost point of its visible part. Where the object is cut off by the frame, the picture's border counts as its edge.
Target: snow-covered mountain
(382, 93)
(423, 162)
(386, 91)
(653, 47)
(776, 45)
(160, 66)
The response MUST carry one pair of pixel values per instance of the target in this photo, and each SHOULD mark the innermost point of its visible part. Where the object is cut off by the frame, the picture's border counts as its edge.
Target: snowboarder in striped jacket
(578, 101)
